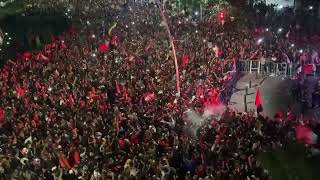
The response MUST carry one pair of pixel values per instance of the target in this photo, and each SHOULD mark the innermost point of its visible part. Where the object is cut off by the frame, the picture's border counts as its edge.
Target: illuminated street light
(267, 29)
(260, 40)
(301, 51)
(310, 7)
(292, 45)
(196, 13)
(280, 30)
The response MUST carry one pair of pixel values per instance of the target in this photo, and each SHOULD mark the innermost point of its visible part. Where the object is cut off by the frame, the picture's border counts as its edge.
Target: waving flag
(1, 115)
(124, 92)
(52, 39)
(104, 47)
(118, 88)
(185, 60)
(76, 157)
(305, 134)
(308, 69)
(43, 92)
(41, 57)
(258, 102)
(149, 96)
(70, 100)
(20, 91)
(26, 55)
(115, 40)
(63, 161)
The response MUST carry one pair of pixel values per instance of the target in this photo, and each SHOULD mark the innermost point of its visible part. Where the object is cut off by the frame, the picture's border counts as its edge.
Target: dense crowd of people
(103, 105)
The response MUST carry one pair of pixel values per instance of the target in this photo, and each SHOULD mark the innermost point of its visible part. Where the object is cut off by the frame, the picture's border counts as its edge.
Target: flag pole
(173, 48)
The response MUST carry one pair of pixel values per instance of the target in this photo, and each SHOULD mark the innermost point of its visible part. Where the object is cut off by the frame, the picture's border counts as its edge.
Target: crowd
(103, 105)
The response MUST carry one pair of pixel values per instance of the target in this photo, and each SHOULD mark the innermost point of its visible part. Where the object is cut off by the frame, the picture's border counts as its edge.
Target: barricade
(268, 67)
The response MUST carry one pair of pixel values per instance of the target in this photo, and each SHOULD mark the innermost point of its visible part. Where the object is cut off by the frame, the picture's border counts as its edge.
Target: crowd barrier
(269, 67)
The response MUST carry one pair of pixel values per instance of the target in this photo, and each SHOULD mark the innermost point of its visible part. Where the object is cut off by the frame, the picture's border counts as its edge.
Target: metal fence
(268, 67)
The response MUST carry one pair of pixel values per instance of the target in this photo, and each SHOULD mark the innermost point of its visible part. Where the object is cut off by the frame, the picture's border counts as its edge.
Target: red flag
(82, 104)
(44, 58)
(47, 47)
(52, 39)
(103, 48)
(36, 118)
(118, 88)
(41, 57)
(308, 69)
(43, 92)
(149, 96)
(185, 60)
(76, 157)
(38, 85)
(26, 56)
(19, 91)
(305, 134)
(124, 92)
(70, 100)
(115, 40)
(258, 99)
(1, 115)
(258, 102)
(64, 163)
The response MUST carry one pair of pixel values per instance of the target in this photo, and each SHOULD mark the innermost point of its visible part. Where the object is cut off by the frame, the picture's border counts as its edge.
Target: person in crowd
(97, 105)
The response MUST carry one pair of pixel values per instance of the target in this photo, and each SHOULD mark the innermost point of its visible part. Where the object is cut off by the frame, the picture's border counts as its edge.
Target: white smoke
(214, 111)
(210, 112)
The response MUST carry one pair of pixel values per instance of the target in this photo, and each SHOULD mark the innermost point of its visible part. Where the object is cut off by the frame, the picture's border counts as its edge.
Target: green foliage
(13, 8)
(216, 6)
(207, 7)
(290, 163)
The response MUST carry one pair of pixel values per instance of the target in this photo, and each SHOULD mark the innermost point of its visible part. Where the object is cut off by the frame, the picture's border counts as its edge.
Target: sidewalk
(275, 93)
